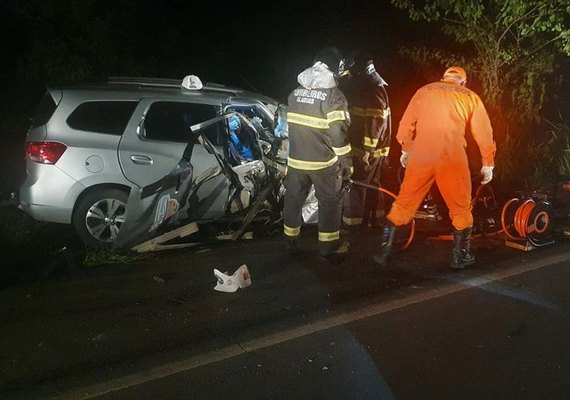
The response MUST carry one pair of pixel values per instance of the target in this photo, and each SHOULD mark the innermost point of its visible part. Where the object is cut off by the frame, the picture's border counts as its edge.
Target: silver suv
(90, 146)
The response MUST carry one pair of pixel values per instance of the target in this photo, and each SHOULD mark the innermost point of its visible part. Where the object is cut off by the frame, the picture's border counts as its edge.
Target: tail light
(45, 152)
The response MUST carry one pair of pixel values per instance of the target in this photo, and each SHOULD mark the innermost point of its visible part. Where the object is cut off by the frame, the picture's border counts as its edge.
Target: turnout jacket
(370, 129)
(318, 120)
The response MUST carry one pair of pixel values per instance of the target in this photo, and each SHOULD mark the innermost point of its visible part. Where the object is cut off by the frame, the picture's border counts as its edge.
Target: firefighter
(432, 135)
(319, 151)
(370, 137)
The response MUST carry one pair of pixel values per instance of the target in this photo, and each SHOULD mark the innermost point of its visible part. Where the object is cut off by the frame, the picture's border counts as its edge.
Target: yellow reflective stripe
(336, 115)
(370, 112)
(381, 152)
(370, 142)
(307, 120)
(329, 236)
(310, 165)
(352, 221)
(291, 231)
(314, 122)
(341, 151)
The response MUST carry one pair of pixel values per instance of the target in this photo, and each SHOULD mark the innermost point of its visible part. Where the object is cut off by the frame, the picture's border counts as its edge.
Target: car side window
(110, 117)
(171, 121)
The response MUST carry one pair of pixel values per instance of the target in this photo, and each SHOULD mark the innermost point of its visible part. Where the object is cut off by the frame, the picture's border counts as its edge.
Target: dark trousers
(363, 206)
(328, 190)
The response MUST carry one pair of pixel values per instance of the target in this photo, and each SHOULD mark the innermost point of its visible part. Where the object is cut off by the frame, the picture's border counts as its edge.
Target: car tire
(98, 216)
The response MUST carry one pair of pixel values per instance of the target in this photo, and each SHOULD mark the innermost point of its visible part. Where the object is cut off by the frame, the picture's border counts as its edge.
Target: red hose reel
(528, 220)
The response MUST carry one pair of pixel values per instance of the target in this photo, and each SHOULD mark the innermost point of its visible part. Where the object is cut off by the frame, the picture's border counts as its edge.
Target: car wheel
(99, 215)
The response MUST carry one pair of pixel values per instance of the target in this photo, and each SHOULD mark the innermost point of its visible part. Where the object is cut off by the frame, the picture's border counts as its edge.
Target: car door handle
(141, 160)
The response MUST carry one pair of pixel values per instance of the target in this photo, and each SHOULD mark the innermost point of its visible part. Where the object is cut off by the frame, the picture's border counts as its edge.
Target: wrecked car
(128, 159)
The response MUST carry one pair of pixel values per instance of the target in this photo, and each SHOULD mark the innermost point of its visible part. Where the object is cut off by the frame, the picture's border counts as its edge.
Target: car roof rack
(171, 83)
(161, 82)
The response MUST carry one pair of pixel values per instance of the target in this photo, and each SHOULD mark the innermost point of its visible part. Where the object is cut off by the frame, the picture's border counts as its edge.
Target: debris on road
(230, 236)
(239, 280)
(157, 243)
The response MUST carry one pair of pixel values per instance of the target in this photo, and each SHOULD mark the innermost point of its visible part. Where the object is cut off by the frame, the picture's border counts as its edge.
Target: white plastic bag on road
(239, 280)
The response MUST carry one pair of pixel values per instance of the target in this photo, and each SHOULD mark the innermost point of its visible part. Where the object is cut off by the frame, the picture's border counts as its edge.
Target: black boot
(292, 243)
(337, 247)
(383, 256)
(461, 254)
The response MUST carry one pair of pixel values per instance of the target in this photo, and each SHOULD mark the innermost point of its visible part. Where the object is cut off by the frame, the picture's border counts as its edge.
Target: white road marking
(245, 347)
(504, 290)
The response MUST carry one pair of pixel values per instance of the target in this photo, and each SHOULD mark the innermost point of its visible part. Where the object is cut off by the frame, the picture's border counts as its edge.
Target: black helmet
(332, 58)
(358, 62)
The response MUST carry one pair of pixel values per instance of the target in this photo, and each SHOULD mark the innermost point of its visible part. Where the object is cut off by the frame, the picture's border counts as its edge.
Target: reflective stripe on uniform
(307, 120)
(341, 151)
(337, 115)
(370, 112)
(352, 221)
(310, 165)
(288, 231)
(369, 142)
(381, 152)
(315, 122)
(329, 236)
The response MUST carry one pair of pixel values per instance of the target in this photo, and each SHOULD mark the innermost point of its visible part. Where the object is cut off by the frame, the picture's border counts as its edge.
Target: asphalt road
(306, 328)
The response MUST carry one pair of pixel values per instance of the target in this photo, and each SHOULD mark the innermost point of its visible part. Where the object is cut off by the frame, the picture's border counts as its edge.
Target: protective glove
(486, 174)
(404, 158)
(346, 167)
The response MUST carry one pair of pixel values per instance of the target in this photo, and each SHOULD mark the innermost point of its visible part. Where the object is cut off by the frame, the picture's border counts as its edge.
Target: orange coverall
(432, 131)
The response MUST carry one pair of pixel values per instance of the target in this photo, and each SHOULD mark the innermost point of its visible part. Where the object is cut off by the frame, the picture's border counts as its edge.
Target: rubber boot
(334, 248)
(388, 234)
(462, 257)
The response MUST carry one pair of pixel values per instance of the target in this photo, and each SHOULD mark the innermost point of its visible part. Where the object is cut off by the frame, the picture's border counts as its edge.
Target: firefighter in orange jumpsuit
(432, 135)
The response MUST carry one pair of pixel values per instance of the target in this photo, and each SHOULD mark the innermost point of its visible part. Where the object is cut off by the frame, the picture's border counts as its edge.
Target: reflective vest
(318, 120)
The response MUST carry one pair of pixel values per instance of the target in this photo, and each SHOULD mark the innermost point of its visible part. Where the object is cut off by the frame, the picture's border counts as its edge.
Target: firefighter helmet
(359, 62)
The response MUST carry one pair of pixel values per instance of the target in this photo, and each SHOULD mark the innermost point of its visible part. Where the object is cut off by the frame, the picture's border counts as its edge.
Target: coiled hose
(527, 219)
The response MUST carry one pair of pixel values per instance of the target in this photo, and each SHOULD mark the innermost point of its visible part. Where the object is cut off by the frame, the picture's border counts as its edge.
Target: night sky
(261, 45)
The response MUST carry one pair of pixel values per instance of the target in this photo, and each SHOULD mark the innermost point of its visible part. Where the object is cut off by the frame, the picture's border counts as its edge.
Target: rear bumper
(48, 194)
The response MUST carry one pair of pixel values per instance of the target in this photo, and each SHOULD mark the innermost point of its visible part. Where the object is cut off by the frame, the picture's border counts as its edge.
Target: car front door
(180, 193)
